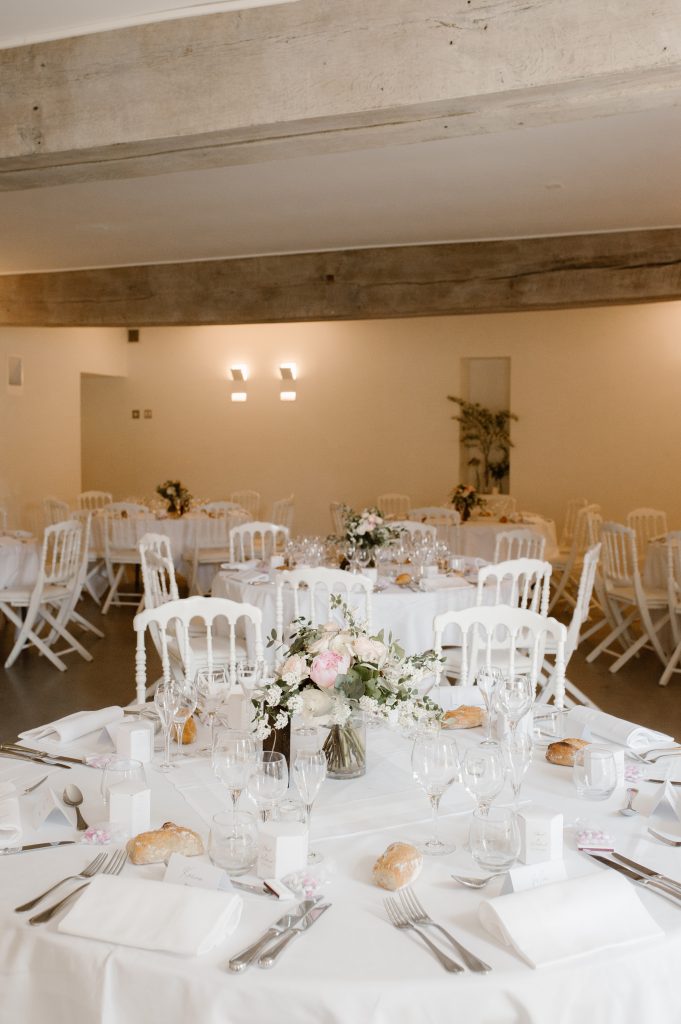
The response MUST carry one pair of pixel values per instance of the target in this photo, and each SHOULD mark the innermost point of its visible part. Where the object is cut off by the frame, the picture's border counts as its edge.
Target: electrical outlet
(147, 414)
(135, 414)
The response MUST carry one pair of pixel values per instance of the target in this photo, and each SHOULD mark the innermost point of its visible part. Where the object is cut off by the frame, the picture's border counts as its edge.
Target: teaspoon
(73, 797)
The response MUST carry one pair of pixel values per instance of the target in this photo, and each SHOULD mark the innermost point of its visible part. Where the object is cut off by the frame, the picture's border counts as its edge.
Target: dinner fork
(416, 913)
(87, 872)
(645, 758)
(114, 866)
(398, 920)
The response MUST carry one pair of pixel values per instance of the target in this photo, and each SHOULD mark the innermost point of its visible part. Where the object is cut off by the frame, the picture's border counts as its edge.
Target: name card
(541, 835)
(666, 805)
(49, 805)
(282, 848)
(183, 870)
(531, 876)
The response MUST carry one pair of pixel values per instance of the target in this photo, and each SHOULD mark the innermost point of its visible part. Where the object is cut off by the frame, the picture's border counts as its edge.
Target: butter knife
(256, 890)
(648, 883)
(32, 757)
(246, 956)
(648, 872)
(35, 846)
(269, 958)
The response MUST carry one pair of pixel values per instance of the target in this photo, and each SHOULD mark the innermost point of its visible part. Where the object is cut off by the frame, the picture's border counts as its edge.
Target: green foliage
(487, 432)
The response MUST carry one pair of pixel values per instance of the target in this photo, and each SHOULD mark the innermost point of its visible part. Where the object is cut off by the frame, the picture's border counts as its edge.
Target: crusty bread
(563, 751)
(403, 579)
(466, 716)
(155, 847)
(189, 731)
(398, 866)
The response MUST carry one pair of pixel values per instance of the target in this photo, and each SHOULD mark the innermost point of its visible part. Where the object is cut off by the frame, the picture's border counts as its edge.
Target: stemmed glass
(518, 754)
(482, 773)
(268, 781)
(233, 760)
(309, 771)
(249, 675)
(167, 701)
(212, 688)
(435, 766)
(488, 680)
(514, 697)
(186, 706)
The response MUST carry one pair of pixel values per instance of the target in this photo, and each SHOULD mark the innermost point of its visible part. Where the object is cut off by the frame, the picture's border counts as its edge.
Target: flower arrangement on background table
(367, 530)
(178, 497)
(465, 498)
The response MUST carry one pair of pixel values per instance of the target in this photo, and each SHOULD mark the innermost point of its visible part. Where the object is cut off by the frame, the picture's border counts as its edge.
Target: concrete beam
(317, 77)
(423, 280)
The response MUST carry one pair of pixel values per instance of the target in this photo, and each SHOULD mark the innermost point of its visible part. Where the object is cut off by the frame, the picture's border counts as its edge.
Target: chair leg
(646, 638)
(671, 666)
(613, 635)
(60, 628)
(27, 636)
(113, 589)
(86, 624)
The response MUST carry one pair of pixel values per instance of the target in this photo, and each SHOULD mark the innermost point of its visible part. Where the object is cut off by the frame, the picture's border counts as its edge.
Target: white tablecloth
(19, 562)
(478, 536)
(356, 969)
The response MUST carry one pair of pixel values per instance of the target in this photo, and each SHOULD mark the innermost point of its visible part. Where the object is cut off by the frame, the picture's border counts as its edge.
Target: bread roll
(398, 866)
(563, 751)
(464, 717)
(155, 847)
(403, 579)
(189, 731)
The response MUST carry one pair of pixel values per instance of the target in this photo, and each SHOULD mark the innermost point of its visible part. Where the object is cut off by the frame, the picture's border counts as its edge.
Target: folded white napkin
(10, 816)
(73, 726)
(250, 563)
(617, 730)
(450, 697)
(443, 583)
(559, 922)
(153, 915)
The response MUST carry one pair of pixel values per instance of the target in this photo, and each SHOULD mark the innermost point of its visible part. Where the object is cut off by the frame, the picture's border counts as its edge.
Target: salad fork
(398, 920)
(87, 872)
(114, 866)
(416, 913)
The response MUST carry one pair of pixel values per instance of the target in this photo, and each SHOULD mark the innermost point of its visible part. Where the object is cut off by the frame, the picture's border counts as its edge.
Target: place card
(282, 848)
(191, 871)
(666, 804)
(541, 835)
(49, 805)
(531, 876)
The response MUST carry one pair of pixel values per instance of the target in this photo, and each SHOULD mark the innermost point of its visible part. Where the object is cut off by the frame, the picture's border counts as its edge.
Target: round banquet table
(357, 969)
(477, 537)
(19, 562)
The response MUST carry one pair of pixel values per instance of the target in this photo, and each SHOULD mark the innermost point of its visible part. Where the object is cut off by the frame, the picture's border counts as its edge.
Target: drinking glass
(212, 688)
(309, 771)
(488, 679)
(482, 773)
(268, 781)
(518, 754)
(167, 701)
(185, 708)
(233, 841)
(495, 838)
(435, 766)
(249, 675)
(120, 769)
(595, 772)
(514, 697)
(233, 757)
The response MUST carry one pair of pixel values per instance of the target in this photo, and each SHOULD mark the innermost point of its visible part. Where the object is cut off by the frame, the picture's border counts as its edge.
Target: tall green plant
(488, 433)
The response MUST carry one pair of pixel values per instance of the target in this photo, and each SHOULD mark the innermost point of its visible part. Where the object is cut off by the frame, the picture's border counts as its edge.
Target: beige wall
(597, 393)
(40, 430)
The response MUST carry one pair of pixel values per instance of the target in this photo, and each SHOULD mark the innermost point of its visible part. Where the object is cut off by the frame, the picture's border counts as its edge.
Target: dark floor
(33, 692)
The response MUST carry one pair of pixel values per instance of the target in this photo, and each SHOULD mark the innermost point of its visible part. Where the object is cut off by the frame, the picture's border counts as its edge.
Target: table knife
(246, 956)
(672, 782)
(14, 748)
(648, 883)
(269, 958)
(648, 872)
(257, 890)
(36, 846)
(34, 759)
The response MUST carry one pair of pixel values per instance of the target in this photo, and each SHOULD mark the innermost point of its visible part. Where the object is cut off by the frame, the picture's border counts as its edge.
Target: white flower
(272, 695)
(340, 712)
(294, 669)
(369, 704)
(295, 704)
(315, 702)
(281, 720)
(262, 730)
(343, 643)
(369, 650)
(321, 645)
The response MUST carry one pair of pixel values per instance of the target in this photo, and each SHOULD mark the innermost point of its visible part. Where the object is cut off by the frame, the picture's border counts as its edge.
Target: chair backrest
(123, 522)
(517, 632)
(394, 506)
(441, 513)
(55, 511)
(581, 532)
(523, 543)
(337, 517)
(314, 587)
(647, 523)
(573, 507)
(499, 504)
(93, 500)
(521, 583)
(248, 500)
(3, 519)
(172, 622)
(158, 570)
(211, 528)
(61, 555)
(673, 546)
(416, 530)
(582, 607)
(282, 512)
(619, 555)
(594, 524)
(255, 540)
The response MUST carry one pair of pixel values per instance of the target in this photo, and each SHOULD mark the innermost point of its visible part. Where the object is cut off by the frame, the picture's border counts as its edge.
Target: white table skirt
(19, 562)
(356, 969)
(477, 537)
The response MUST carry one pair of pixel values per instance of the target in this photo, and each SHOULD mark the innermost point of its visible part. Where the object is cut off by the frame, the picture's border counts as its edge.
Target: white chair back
(521, 583)
(619, 555)
(55, 511)
(337, 518)
(647, 524)
(282, 512)
(594, 524)
(256, 540)
(248, 500)
(519, 544)
(673, 546)
(499, 504)
(312, 589)
(223, 506)
(123, 522)
(93, 500)
(422, 531)
(573, 507)
(394, 506)
(582, 607)
(60, 560)
(158, 570)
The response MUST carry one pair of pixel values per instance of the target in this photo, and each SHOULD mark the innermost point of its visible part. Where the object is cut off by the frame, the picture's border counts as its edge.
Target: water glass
(495, 838)
(120, 769)
(185, 707)
(268, 781)
(233, 841)
(212, 688)
(518, 754)
(167, 702)
(482, 773)
(435, 766)
(233, 759)
(595, 773)
(249, 676)
(514, 698)
(309, 772)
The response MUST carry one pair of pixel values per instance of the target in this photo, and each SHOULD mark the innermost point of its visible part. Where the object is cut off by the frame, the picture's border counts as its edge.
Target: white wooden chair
(256, 540)
(394, 506)
(337, 518)
(416, 531)
(311, 590)
(248, 500)
(521, 583)
(122, 522)
(282, 512)
(175, 627)
(3, 519)
(674, 602)
(518, 544)
(513, 639)
(47, 605)
(627, 599)
(570, 561)
(647, 524)
(94, 500)
(55, 511)
(499, 505)
(567, 533)
(90, 566)
(211, 541)
(158, 570)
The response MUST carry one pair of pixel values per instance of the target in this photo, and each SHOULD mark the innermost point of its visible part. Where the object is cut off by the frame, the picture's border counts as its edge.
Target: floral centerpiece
(332, 672)
(465, 498)
(178, 497)
(367, 530)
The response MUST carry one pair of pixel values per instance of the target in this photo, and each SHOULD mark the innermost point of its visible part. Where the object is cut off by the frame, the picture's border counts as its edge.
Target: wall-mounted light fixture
(288, 373)
(287, 396)
(239, 376)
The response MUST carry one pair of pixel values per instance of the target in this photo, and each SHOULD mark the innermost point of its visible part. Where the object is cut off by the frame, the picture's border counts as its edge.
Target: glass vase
(345, 748)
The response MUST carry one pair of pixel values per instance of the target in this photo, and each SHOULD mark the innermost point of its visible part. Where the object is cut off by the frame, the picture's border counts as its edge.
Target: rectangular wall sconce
(288, 371)
(287, 396)
(239, 396)
(239, 373)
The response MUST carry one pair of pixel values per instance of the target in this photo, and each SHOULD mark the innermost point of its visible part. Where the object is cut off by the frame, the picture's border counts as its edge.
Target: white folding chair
(416, 531)
(211, 542)
(123, 522)
(87, 573)
(282, 512)
(647, 524)
(55, 511)
(248, 500)
(394, 506)
(499, 505)
(337, 517)
(674, 602)
(518, 544)
(47, 604)
(94, 500)
(311, 590)
(521, 583)
(513, 639)
(158, 570)
(256, 540)
(570, 560)
(175, 626)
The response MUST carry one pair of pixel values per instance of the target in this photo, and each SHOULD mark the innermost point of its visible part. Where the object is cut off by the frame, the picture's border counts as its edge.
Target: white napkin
(10, 817)
(250, 563)
(153, 915)
(73, 726)
(443, 583)
(559, 922)
(450, 697)
(617, 730)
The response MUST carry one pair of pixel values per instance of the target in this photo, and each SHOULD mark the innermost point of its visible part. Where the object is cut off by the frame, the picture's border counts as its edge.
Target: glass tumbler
(595, 773)
(495, 838)
(233, 841)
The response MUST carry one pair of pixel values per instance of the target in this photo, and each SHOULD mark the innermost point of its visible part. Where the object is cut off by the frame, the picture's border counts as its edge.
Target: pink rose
(326, 666)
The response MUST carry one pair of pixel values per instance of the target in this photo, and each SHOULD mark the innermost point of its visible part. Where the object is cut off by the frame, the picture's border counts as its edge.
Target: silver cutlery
(628, 810)
(659, 752)
(417, 914)
(648, 883)
(476, 883)
(30, 789)
(672, 782)
(398, 920)
(246, 956)
(34, 759)
(15, 748)
(87, 872)
(114, 866)
(648, 872)
(664, 839)
(270, 957)
(255, 890)
(73, 797)
(35, 846)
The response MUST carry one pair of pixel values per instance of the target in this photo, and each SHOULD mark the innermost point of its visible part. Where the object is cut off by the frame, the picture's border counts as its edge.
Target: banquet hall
(366, 298)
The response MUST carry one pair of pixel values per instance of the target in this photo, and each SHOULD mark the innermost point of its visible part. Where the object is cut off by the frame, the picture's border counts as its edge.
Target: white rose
(321, 645)
(315, 702)
(370, 650)
(294, 669)
(343, 643)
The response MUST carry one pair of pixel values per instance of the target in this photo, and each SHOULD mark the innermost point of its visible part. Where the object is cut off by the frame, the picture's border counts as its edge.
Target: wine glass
(488, 680)
(249, 676)
(518, 754)
(514, 697)
(435, 766)
(185, 708)
(482, 773)
(233, 760)
(495, 838)
(268, 781)
(167, 701)
(212, 688)
(309, 771)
